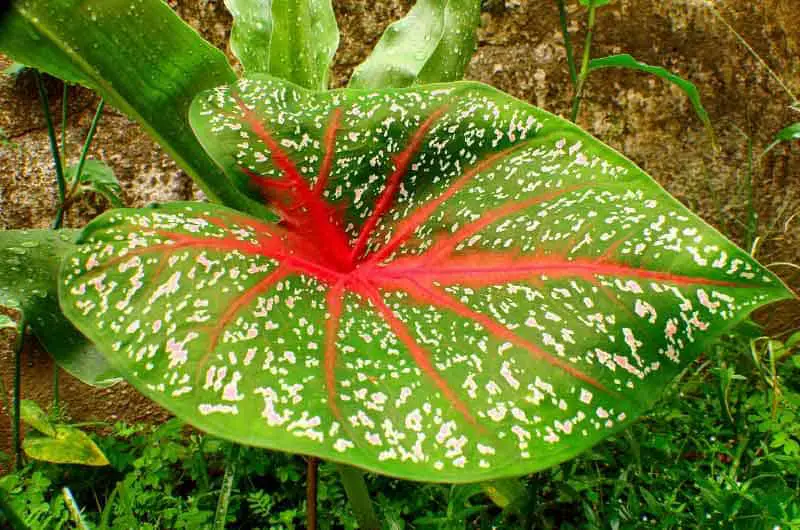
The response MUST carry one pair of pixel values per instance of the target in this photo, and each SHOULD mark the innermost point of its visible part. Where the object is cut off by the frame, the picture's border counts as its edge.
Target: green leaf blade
(295, 41)
(432, 44)
(456, 286)
(149, 65)
(629, 62)
(29, 262)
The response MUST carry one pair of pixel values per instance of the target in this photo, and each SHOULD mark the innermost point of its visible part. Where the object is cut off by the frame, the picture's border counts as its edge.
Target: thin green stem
(85, 149)
(224, 500)
(562, 16)
(358, 495)
(15, 422)
(55, 391)
(64, 96)
(51, 133)
(587, 53)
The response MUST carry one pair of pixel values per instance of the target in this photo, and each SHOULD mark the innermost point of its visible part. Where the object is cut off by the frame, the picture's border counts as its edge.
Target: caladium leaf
(457, 286)
(291, 39)
(29, 261)
(433, 43)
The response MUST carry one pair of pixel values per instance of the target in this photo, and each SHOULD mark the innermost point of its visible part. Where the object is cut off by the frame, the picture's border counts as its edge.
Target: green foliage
(141, 57)
(626, 61)
(290, 39)
(28, 283)
(432, 44)
(595, 3)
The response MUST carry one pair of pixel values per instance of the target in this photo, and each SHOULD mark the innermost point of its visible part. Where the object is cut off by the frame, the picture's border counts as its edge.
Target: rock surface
(520, 51)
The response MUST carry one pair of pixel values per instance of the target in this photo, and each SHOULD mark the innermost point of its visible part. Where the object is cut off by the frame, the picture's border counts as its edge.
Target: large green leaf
(29, 261)
(140, 56)
(433, 43)
(460, 287)
(291, 39)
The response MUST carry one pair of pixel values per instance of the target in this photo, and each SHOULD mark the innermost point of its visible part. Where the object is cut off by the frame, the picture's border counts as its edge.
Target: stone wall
(520, 51)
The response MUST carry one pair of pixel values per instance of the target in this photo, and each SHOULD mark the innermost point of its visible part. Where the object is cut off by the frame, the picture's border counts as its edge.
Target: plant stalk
(587, 53)
(224, 500)
(562, 16)
(51, 133)
(15, 422)
(311, 493)
(357, 494)
(76, 180)
(64, 95)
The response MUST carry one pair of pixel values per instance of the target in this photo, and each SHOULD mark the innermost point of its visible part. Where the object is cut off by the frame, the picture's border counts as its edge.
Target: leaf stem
(51, 133)
(358, 495)
(311, 493)
(232, 462)
(584, 73)
(15, 422)
(85, 150)
(64, 94)
(55, 390)
(562, 16)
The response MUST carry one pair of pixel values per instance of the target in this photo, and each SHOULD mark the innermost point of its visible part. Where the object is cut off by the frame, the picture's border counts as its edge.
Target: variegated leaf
(456, 286)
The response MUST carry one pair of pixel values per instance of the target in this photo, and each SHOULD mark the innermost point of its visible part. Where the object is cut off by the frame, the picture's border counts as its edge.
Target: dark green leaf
(627, 61)
(96, 176)
(32, 414)
(68, 446)
(460, 286)
(433, 43)
(140, 56)
(291, 39)
(29, 261)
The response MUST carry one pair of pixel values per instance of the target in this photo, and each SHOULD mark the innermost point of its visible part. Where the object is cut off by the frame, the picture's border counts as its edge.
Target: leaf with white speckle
(456, 286)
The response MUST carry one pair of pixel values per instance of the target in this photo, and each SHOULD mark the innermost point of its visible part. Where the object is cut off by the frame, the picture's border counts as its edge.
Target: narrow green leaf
(597, 3)
(432, 44)
(32, 414)
(627, 61)
(68, 446)
(787, 134)
(138, 55)
(98, 177)
(29, 262)
(291, 39)
(457, 286)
